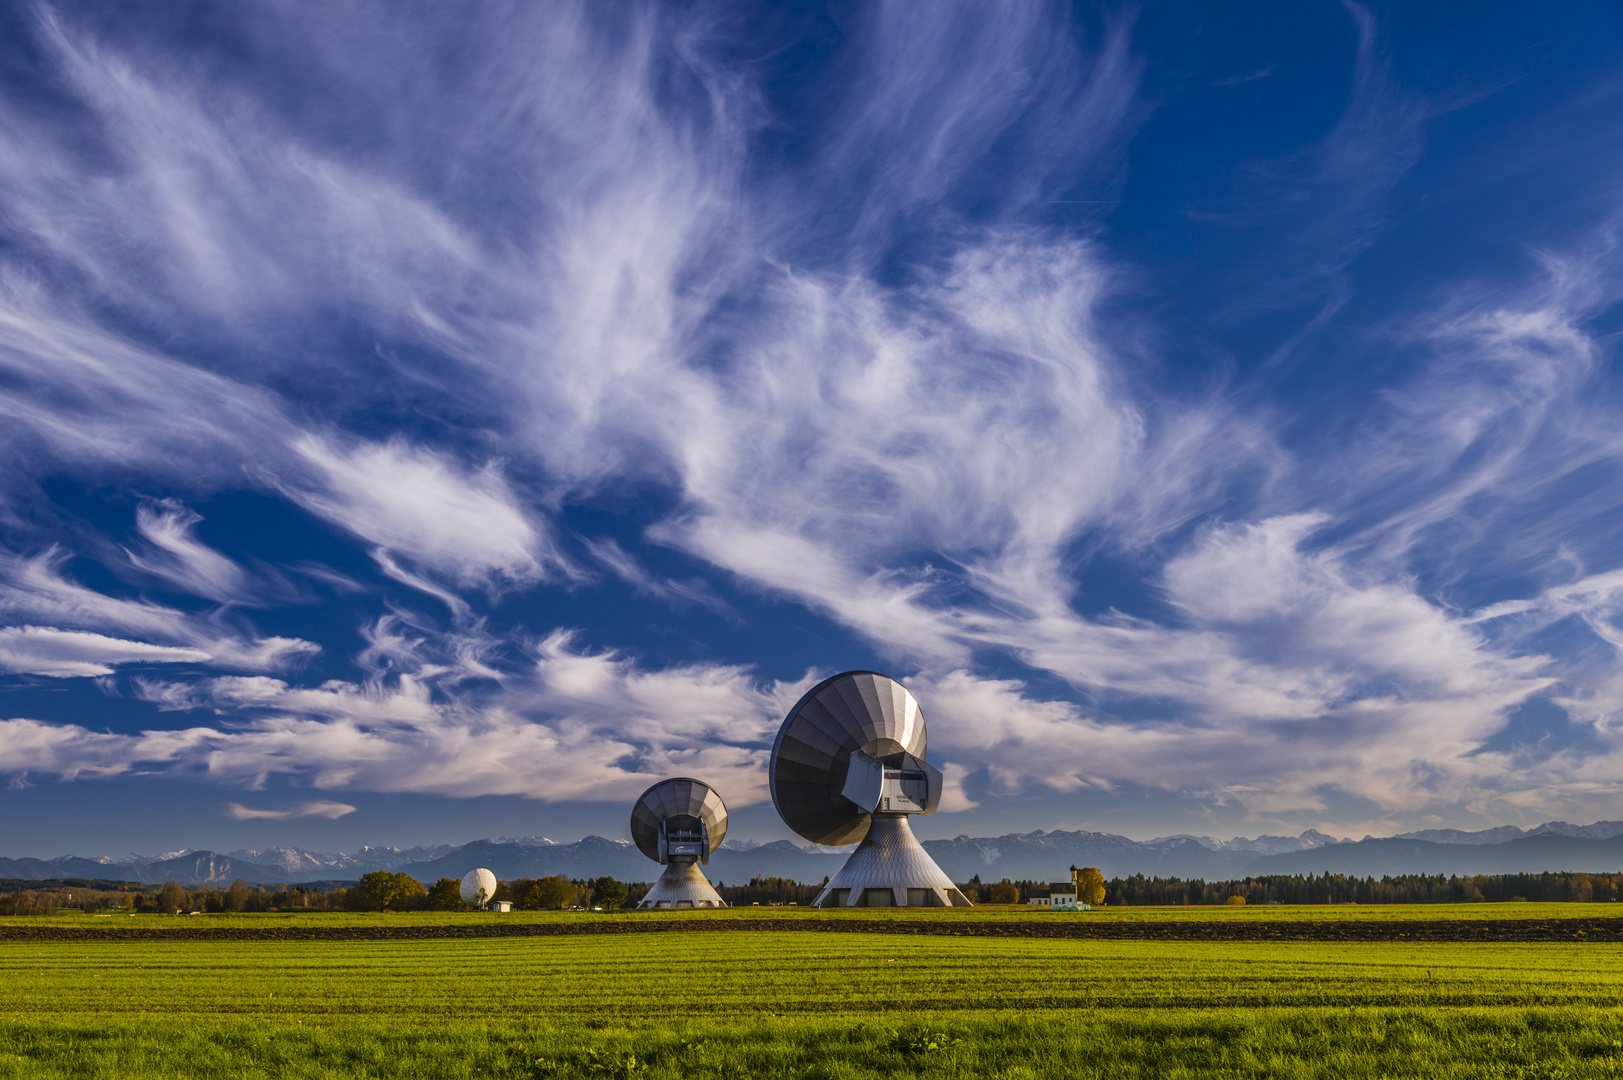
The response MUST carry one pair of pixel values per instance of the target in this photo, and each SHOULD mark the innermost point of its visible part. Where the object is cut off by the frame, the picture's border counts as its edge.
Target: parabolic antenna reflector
(811, 760)
(680, 822)
(849, 765)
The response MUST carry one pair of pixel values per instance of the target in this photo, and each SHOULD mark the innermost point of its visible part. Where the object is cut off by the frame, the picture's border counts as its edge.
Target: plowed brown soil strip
(1418, 930)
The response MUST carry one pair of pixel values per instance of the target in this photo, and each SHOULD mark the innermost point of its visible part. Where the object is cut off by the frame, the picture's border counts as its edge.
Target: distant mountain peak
(1262, 845)
(144, 860)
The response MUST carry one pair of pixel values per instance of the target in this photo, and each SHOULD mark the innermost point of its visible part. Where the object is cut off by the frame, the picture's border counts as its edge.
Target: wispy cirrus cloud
(45, 650)
(1471, 463)
(322, 808)
(568, 725)
(205, 256)
(620, 563)
(178, 556)
(37, 589)
(467, 526)
(927, 97)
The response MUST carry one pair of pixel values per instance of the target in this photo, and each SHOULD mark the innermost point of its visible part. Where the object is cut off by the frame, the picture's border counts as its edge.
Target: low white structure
(478, 886)
(1058, 892)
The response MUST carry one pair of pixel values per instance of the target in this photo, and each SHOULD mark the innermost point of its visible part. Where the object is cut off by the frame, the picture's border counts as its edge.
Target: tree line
(1318, 889)
(1348, 889)
(169, 897)
(769, 890)
(383, 890)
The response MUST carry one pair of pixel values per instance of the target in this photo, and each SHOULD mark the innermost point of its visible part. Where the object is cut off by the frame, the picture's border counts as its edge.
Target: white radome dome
(477, 882)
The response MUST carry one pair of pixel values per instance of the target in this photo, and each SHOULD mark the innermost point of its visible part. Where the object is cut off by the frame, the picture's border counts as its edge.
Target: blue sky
(426, 424)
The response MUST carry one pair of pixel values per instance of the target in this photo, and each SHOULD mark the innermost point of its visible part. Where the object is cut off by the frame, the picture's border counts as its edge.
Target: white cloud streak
(325, 808)
(45, 650)
(608, 552)
(35, 590)
(415, 503)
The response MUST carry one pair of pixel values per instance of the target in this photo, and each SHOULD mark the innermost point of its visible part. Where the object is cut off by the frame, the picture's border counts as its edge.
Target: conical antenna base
(890, 868)
(682, 886)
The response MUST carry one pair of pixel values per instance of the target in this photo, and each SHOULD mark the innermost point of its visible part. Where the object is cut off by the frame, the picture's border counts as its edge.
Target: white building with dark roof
(1057, 892)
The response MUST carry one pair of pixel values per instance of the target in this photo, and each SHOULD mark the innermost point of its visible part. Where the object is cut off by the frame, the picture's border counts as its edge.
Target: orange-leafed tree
(1090, 886)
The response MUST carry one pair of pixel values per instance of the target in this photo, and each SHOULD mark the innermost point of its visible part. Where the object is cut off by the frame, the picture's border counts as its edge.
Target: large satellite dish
(848, 764)
(680, 822)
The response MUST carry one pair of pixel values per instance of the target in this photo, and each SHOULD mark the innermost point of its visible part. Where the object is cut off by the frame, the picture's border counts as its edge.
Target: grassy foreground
(764, 1004)
(1220, 1043)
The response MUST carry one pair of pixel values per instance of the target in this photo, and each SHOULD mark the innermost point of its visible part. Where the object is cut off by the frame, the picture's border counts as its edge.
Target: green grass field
(793, 1004)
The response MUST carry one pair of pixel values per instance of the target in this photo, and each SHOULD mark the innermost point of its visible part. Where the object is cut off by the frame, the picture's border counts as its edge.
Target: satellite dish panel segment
(934, 783)
(864, 780)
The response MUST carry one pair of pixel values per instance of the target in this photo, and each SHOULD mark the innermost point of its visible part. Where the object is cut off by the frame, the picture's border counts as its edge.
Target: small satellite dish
(848, 764)
(478, 886)
(680, 822)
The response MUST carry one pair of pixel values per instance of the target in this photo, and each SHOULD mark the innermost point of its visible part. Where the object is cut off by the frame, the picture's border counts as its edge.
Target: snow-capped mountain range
(1555, 845)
